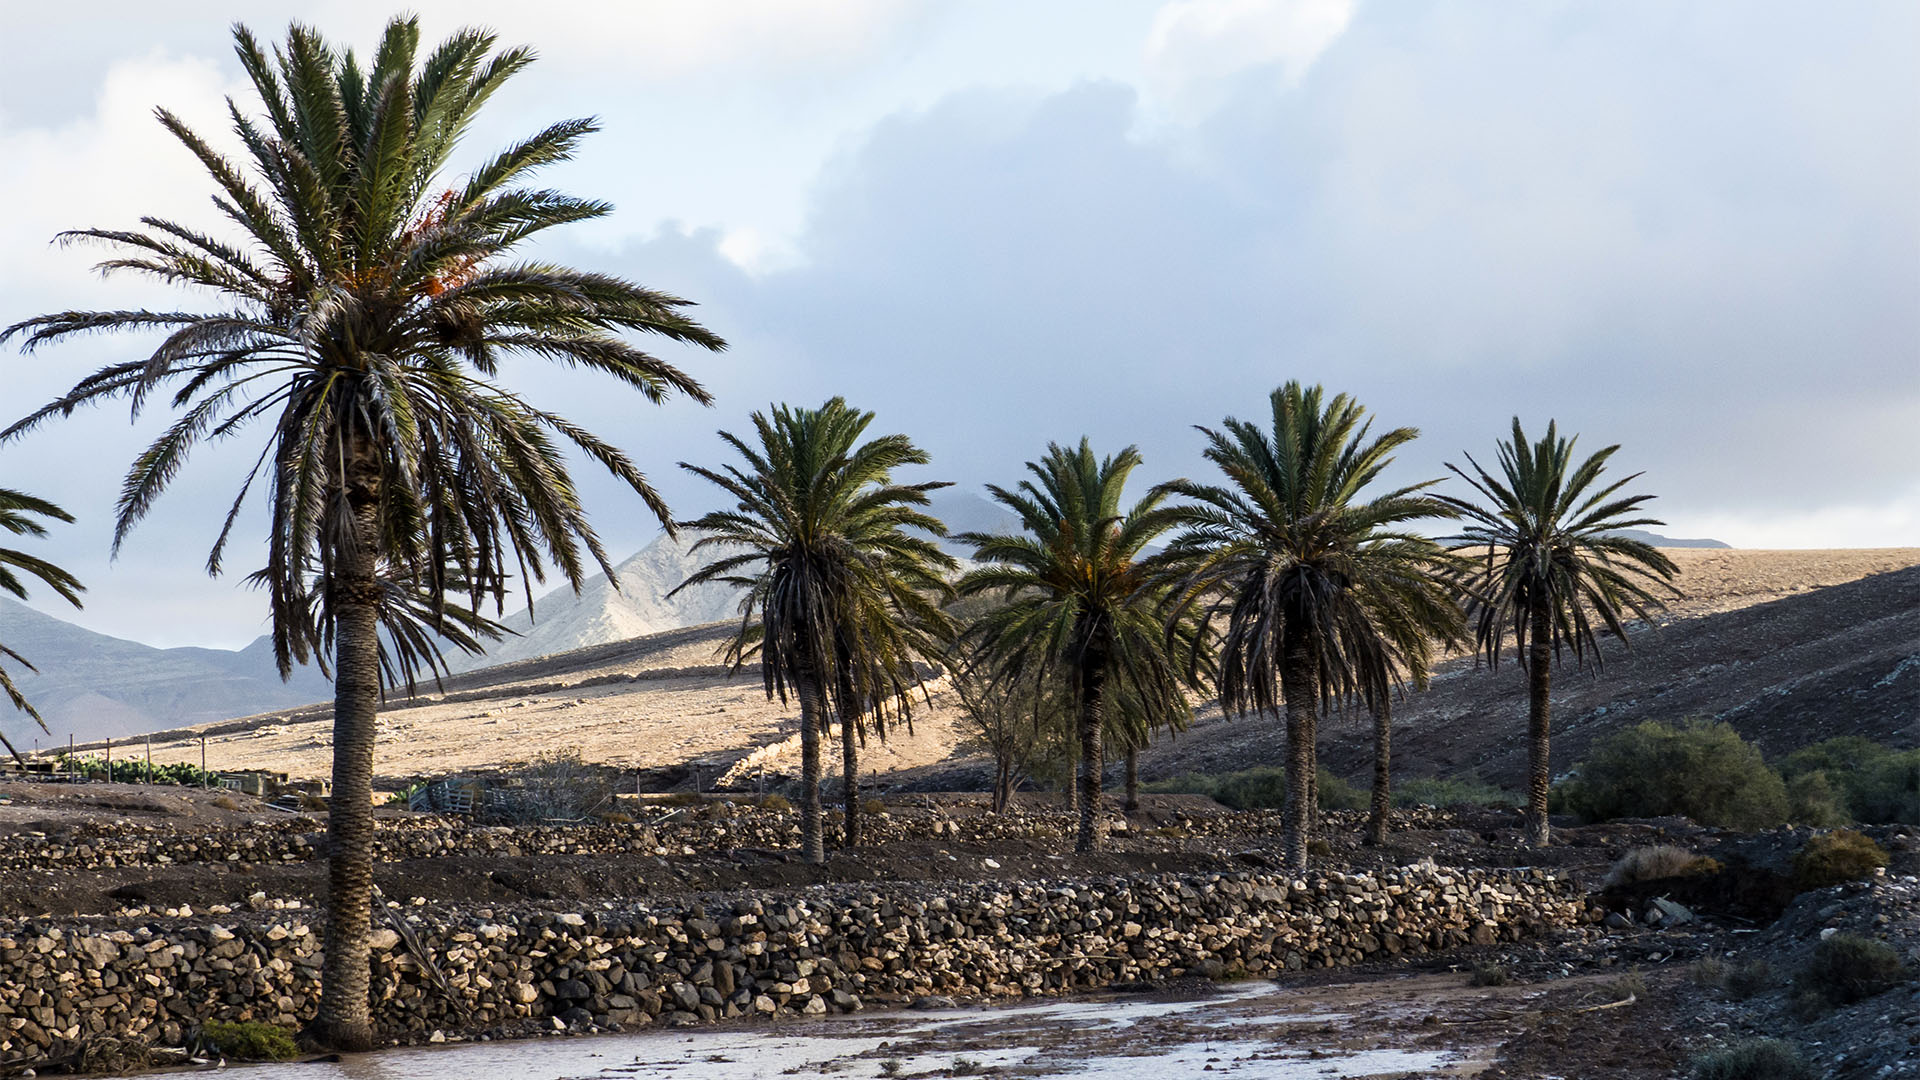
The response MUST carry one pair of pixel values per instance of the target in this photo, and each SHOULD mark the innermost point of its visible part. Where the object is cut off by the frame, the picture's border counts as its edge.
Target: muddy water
(1254, 1031)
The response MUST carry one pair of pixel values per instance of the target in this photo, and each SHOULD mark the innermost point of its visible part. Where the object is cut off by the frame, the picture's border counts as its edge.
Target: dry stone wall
(300, 839)
(505, 970)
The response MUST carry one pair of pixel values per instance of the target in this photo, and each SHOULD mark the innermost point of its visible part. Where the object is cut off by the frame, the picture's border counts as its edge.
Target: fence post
(149, 759)
(109, 761)
(205, 780)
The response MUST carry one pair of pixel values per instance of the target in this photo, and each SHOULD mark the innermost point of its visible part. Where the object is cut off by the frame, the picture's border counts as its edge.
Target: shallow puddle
(1254, 1031)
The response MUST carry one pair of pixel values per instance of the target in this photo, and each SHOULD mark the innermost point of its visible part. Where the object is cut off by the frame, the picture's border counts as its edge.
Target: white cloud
(103, 170)
(658, 40)
(1893, 523)
(1197, 47)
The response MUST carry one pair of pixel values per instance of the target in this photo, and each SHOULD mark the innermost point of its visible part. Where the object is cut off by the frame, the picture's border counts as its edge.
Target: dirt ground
(662, 706)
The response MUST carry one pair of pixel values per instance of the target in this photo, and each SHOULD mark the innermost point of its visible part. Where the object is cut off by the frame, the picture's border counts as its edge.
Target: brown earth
(1767, 641)
(1790, 646)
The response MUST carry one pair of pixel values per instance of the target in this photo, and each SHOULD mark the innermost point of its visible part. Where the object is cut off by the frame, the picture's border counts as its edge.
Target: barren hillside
(1791, 645)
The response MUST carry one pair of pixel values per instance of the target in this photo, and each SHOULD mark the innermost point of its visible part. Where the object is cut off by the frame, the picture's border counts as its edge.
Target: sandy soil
(662, 704)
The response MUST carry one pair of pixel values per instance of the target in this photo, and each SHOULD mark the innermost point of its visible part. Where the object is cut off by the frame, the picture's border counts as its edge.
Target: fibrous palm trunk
(850, 769)
(343, 1022)
(1539, 716)
(1002, 780)
(1382, 771)
(1299, 693)
(813, 841)
(1133, 779)
(1091, 720)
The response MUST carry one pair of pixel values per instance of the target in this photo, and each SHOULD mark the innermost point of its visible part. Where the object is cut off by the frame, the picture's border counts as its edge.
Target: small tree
(1555, 573)
(1079, 610)
(1322, 594)
(837, 568)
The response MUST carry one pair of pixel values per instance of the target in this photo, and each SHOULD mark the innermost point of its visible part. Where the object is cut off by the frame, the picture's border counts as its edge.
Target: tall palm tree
(886, 636)
(17, 513)
(1079, 604)
(1323, 594)
(362, 321)
(1409, 600)
(841, 594)
(1555, 572)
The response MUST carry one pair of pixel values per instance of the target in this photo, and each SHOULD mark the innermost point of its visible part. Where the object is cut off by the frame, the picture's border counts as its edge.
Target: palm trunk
(1382, 771)
(1313, 774)
(1092, 722)
(850, 769)
(343, 1022)
(1539, 769)
(1002, 780)
(1073, 776)
(813, 841)
(1133, 779)
(1298, 691)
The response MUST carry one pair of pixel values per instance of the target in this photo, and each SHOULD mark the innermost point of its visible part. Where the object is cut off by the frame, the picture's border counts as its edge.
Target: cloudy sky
(1692, 229)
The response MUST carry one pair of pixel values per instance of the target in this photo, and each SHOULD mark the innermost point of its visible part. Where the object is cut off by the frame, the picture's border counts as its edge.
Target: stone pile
(714, 828)
(751, 952)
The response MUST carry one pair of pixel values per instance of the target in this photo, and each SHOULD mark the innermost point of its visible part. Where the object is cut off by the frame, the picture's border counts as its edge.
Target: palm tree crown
(841, 575)
(362, 313)
(361, 319)
(1552, 541)
(18, 511)
(1080, 605)
(1322, 591)
(1555, 571)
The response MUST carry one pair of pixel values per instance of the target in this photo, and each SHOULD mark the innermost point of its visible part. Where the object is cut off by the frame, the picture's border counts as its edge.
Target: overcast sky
(1689, 228)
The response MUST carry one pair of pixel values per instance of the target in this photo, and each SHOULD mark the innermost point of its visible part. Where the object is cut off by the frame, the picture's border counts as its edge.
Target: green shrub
(1846, 968)
(780, 804)
(1704, 771)
(1813, 800)
(1871, 783)
(1833, 857)
(1754, 1059)
(250, 1041)
(1452, 791)
(1262, 788)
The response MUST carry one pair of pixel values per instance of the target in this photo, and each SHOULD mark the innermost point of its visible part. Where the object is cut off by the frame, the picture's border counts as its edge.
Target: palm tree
(1323, 595)
(362, 321)
(1409, 600)
(1555, 573)
(17, 513)
(838, 602)
(1079, 604)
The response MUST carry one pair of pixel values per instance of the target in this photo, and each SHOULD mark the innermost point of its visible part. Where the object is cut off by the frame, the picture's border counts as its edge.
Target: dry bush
(1751, 979)
(1834, 857)
(1754, 1059)
(1655, 862)
(1846, 968)
(558, 786)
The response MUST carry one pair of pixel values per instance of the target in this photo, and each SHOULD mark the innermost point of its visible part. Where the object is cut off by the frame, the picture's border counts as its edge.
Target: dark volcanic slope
(1843, 660)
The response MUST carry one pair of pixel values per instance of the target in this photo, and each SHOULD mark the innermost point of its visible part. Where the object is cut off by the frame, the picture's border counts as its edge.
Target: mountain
(963, 511)
(599, 613)
(1657, 540)
(95, 686)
